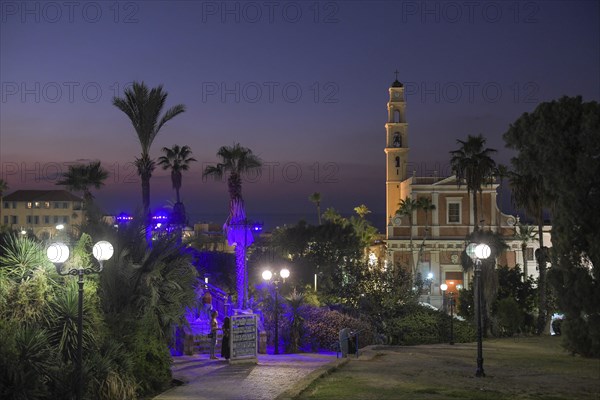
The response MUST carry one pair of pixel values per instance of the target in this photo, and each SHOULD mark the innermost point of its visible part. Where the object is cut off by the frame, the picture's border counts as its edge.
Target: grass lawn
(516, 369)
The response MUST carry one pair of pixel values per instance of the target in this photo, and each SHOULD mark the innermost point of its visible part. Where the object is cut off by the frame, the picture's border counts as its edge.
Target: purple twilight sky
(303, 84)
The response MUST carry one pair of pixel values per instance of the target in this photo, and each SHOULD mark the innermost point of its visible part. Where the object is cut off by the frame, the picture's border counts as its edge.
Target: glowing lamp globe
(267, 275)
(285, 273)
(430, 275)
(103, 250)
(444, 287)
(57, 253)
(482, 251)
(470, 250)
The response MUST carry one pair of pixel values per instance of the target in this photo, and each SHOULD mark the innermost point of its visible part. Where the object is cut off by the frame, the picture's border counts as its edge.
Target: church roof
(397, 83)
(451, 181)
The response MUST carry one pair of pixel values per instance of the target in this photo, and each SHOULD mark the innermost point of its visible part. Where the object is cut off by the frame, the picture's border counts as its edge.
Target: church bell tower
(396, 147)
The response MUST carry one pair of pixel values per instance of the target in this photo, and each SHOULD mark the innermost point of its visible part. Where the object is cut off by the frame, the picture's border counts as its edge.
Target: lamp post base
(479, 373)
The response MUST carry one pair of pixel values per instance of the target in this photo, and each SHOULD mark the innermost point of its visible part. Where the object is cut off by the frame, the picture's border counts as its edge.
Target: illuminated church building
(438, 237)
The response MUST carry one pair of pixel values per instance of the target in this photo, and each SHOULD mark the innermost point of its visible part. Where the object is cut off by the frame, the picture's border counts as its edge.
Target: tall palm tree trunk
(240, 275)
(475, 212)
(146, 195)
(523, 251)
(319, 213)
(412, 255)
(542, 300)
(146, 204)
(240, 234)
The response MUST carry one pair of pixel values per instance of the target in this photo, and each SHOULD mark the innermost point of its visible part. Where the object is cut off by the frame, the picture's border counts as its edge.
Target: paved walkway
(274, 377)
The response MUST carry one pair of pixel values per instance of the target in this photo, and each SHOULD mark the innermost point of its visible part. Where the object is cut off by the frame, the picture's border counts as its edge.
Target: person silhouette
(225, 349)
(214, 329)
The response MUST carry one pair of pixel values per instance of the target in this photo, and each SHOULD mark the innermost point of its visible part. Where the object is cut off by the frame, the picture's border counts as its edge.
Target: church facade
(433, 240)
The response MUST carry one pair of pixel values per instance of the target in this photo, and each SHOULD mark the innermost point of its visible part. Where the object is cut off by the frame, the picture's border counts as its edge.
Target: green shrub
(509, 316)
(417, 328)
(576, 338)
(110, 372)
(421, 325)
(61, 321)
(151, 359)
(25, 358)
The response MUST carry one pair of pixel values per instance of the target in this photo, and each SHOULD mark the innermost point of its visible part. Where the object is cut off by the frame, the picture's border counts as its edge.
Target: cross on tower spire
(397, 83)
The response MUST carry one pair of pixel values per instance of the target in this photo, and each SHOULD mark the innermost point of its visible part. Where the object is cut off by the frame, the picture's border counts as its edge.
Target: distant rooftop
(42, 195)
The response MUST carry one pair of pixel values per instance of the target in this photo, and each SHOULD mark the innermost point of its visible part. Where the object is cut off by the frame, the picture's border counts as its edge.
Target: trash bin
(344, 338)
(352, 343)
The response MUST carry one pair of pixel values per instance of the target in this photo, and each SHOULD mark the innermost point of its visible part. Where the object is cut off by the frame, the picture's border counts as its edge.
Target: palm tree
(144, 106)
(407, 207)
(295, 303)
(525, 234)
(366, 232)
(425, 204)
(83, 177)
(362, 211)
(236, 160)
(177, 159)
(333, 216)
(472, 163)
(316, 199)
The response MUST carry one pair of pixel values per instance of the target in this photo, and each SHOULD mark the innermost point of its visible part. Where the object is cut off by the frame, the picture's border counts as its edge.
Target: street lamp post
(479, 252)
(429, 281)
(443, 288)
(451, 295)
(58, 253)
(267, 276)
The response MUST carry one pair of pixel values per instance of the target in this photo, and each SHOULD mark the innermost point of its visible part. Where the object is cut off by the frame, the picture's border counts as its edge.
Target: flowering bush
(322, 327)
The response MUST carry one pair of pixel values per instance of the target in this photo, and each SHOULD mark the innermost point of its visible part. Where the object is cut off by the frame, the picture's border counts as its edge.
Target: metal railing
(221, 301)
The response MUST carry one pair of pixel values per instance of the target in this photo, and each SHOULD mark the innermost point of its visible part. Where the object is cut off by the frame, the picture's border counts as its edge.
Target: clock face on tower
(397, 220)
(396, 94)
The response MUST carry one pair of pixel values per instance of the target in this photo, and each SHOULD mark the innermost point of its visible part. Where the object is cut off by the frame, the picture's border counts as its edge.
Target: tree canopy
(559, 145)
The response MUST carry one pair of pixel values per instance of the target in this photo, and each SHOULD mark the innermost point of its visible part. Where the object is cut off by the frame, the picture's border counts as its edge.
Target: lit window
(372, 260)
(454, 213)
(29, 204)
(46, 204)
(37, 204)
(529, 254)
